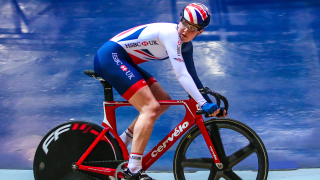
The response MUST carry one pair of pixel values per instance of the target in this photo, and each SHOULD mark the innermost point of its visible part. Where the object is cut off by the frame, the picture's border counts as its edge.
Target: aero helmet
(196, 13)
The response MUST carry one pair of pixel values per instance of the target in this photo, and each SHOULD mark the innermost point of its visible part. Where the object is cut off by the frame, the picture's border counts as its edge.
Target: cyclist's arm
(169, 39)
(187, 54)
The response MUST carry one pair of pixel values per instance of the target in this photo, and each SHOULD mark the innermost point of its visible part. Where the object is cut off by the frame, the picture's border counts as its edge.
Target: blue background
(263, 55)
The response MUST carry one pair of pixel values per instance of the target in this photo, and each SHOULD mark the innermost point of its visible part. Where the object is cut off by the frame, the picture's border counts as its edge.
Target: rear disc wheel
(65, 144)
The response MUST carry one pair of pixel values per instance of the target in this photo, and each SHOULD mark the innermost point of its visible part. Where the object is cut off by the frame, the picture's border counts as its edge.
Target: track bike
(80, 150)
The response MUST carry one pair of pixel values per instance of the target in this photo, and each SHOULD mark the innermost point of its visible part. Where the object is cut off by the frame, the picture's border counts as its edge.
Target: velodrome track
(263, 55)
(300, 174)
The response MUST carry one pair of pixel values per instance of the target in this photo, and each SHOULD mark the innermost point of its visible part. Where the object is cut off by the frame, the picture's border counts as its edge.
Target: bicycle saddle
(91, 73)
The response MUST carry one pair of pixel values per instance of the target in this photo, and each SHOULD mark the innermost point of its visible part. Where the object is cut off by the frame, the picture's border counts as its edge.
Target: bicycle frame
(109, 124)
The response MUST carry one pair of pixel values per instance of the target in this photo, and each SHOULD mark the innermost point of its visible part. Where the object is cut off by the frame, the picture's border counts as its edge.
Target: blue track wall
(263, 55)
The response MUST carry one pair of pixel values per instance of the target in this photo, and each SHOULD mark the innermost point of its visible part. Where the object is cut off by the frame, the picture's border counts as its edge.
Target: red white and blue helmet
(196, 13)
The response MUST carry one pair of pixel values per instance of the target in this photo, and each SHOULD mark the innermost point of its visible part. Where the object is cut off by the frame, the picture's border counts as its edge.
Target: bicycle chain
(120, 161)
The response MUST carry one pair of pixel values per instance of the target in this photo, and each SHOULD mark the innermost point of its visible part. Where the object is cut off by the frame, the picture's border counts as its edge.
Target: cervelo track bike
(80, 150)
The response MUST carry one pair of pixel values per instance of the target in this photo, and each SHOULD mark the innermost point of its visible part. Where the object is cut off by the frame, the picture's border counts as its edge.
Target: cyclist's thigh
(146, 76)
(156, 89)
(110, 63)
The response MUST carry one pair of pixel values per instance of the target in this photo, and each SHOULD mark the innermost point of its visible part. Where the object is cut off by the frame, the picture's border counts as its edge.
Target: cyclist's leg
(158, 92)
(142, 126)
(111, 65)
(149, 109)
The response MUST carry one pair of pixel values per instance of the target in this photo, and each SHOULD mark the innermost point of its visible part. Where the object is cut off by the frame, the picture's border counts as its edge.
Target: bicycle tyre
(214, 126)
(65, 144)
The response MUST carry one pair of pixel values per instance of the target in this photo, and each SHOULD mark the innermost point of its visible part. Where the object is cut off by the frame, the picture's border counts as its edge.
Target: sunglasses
(186, 24)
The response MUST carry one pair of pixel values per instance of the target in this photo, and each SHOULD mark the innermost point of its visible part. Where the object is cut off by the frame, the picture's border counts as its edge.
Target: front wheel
(65, 144)
(238, 147)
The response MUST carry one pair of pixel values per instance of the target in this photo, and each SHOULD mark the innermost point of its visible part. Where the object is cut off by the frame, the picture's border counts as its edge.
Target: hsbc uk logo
(124, 68)
(144, 43)
(116, 59)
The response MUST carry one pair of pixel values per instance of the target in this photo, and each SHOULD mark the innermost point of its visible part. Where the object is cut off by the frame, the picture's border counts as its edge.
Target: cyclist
(116, 62)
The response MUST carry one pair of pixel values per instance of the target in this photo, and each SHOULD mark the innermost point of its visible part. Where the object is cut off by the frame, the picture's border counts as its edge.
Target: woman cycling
(116, 62)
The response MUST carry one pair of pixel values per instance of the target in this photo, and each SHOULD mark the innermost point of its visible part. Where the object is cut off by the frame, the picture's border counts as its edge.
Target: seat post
(108, 95)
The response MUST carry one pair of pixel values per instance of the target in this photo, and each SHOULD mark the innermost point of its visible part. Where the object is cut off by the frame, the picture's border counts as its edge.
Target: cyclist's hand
(223, 113)
(211, 108)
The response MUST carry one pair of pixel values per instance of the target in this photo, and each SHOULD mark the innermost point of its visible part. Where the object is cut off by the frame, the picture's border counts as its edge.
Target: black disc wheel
(239, 149)
(65, 144)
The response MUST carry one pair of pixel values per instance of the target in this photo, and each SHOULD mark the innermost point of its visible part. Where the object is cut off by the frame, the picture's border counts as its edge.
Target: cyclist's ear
(199, 32)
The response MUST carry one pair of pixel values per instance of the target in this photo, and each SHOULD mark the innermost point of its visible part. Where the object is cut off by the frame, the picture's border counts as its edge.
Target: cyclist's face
(186, 34)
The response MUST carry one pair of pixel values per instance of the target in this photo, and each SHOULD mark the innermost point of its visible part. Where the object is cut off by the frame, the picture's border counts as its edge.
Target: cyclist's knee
(152, 110)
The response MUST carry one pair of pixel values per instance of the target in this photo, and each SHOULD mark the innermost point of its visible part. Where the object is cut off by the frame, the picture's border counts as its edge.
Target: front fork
(207, 138)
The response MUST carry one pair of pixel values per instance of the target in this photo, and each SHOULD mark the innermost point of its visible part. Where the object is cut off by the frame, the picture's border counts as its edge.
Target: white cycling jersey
(159, 41)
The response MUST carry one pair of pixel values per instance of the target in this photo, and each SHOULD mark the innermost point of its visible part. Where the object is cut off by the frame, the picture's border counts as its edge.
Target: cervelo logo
(144, 43)
(176, 133)
(116, 59)
(54, 136)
